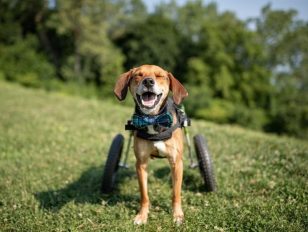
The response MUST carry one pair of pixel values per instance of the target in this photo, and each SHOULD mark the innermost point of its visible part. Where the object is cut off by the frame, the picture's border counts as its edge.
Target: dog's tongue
(148, 99)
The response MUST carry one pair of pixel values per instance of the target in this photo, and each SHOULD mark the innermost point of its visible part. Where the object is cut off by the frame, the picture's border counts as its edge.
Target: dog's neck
(157, 132)
(162, 110)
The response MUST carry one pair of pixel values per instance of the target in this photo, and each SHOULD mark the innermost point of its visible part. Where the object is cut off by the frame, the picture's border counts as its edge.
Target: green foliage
(219, 111)
(222, 111)
(153, 41)
(286, 39)
(290, 114)
(2, 76)
(291, 119)
(29, 79)
(254, 118)
(19, 62)
(199, 97)
(254, 78)
(197, 72)
(94, 57)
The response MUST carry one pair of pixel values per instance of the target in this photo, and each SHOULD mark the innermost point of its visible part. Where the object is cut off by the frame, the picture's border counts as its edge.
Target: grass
(52, 152)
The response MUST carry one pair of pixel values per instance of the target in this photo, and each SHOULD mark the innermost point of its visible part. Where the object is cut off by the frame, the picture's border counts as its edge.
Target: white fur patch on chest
(151, 130)
(161, 147)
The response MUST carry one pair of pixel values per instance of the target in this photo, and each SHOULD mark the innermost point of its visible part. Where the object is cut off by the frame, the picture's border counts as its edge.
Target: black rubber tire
(205, 163)
(112, 163)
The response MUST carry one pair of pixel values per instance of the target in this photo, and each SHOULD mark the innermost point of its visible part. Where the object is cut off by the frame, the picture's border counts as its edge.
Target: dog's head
(150, 86)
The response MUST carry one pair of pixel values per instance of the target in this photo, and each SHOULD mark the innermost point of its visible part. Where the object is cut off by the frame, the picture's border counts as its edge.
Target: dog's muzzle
(149, 97)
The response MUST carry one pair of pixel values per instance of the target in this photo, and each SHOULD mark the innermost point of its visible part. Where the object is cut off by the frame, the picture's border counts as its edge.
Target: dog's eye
(161, 77)
(138, 75)
(137, 78)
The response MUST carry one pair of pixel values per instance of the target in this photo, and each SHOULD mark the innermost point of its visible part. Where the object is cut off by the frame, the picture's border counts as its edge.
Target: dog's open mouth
(148, 99)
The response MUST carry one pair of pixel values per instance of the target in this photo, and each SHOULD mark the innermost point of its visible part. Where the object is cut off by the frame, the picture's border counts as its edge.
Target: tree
(94, 56)
(222, 59)
(19, 46)
(286, 40)
(153, 41)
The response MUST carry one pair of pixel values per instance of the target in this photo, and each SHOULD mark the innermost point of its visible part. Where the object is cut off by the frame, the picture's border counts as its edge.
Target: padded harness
(161, 123)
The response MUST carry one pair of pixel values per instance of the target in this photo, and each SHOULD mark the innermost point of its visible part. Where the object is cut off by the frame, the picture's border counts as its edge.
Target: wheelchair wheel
(205, 163)
(112, 163)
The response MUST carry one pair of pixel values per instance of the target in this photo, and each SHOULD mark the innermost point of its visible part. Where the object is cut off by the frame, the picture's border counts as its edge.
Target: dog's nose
(148, 82)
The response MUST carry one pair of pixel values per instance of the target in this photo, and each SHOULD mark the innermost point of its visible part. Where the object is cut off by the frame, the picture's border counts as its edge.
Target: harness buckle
(186, 122)
(129, 126)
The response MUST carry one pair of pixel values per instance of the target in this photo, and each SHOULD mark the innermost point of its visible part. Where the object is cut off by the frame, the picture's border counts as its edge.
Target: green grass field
(52, 153)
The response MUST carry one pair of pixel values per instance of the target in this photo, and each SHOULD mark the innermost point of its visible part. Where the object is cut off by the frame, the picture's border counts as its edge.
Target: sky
(245, 9)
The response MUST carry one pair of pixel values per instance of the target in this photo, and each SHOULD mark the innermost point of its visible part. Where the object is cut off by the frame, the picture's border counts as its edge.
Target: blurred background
(243, 62)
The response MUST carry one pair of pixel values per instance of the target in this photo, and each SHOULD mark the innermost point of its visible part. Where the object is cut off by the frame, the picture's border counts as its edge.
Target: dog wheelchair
(202, 159)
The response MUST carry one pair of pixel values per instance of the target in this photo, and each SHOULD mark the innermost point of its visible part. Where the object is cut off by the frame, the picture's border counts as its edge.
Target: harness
(161, 123)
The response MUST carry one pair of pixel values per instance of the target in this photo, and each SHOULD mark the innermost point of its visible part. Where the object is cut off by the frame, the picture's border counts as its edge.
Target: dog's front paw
(140, 219)
(178, 217)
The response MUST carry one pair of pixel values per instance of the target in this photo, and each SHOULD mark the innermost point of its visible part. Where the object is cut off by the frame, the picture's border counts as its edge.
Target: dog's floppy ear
(178, 90)
(121, 87)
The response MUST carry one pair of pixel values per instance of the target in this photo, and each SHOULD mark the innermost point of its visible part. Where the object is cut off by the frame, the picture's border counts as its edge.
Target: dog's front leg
(141, 167)
(176, 164)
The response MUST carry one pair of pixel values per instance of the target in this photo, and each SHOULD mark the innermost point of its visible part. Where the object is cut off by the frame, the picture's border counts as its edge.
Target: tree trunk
(45, 40)
(77, 64)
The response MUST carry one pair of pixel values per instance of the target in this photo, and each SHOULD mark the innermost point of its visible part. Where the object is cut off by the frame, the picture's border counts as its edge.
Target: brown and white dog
(150, 86)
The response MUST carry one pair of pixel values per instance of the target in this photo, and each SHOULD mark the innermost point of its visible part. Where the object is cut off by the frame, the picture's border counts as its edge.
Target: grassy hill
(52, 152)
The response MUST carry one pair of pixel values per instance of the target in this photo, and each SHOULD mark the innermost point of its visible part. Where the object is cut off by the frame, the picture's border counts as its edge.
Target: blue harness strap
(164, 120)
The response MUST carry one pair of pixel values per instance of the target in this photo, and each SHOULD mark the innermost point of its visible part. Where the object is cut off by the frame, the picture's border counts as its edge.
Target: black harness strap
(164, 135)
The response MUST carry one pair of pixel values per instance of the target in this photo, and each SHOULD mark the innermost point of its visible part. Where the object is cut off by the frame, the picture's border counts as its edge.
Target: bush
(253, 118)
(21, 62)
(198, 97)
(222, 111)
(290, 118)
(2, 76)
(218, 111)
(29, 79)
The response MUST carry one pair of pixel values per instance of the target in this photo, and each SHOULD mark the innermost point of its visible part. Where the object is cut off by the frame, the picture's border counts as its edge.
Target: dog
(150, 86)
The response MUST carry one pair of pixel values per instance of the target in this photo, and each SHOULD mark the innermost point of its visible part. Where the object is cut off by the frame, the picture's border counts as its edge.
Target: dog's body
(150, 86)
